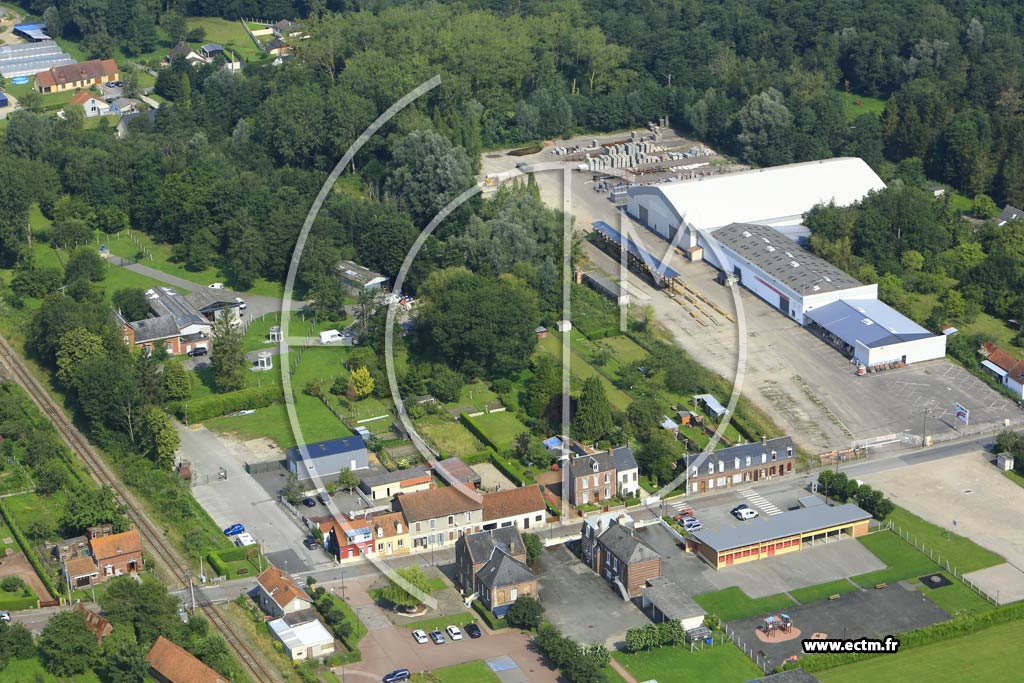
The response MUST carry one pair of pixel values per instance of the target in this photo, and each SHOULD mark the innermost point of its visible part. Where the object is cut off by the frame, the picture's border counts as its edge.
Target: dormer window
(380, 532)
(595, 466)
(773, 455)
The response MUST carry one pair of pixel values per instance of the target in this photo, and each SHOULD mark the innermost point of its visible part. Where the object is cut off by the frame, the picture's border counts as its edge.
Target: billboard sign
(962, 414)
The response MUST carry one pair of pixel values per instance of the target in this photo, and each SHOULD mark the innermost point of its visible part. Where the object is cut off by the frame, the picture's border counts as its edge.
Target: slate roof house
(740, 465)
(626, 470)
(590, 478)
(473, 551)
(624, 560)
(178, 324)
(501, 581)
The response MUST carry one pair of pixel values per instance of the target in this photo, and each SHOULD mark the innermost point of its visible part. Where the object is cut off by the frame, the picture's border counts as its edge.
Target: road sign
(962, 414)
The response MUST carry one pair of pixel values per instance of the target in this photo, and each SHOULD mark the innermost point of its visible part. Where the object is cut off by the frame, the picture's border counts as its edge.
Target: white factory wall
(915, 351)
(660, 216)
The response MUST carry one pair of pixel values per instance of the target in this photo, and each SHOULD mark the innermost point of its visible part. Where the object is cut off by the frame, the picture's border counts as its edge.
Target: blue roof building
(327, 458)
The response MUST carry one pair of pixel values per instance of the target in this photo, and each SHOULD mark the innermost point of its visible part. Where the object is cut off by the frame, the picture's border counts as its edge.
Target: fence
(759, 657)
(937, 559)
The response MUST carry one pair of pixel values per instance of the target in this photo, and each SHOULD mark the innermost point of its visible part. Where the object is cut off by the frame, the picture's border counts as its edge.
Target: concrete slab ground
(581, 603)
(490, 478)
(239, 498)
(862, 614)
(1003, 581)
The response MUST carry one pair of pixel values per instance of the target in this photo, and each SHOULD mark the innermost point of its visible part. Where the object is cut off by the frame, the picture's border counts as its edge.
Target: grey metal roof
(624, 460)
(355, 273)
(791, 676)
(206, 299)
(503, 570)
(164, 301)
(775, 254)
(868, 321)
(671, 600)
(725, 458)
(770, 527)
(584, 464)
(1009, 214)
(378, 478)
(28, 59)
(482, 544)
(152, 329)
(620, 542)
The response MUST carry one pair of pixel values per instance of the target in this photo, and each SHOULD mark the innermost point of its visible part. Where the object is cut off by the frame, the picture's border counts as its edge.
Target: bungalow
(473, 551)
(623, 559)
(277, 47)
(90, 104)
(1009, 214)
(182, 50)
(1007, 369)
(302, 635)
(522, 507)
(278, 594)
(501, 581)
(76, 76)
(382, 485)
(740, 465)
(169, 663)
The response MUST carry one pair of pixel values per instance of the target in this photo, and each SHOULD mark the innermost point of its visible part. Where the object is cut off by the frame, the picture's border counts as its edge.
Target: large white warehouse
(739, 219)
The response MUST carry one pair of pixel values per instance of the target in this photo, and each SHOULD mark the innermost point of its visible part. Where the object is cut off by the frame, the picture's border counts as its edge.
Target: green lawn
(470, 672)
(32, 671)
(448, 436)
(867, 105)
(122, 278)
(723, 663)
(901, 560)
(18, 600)
(983, 656)
(962, 552)
(624, 349)
(28, 507)
(439, 623)
(230, 34)
(580, 370)
(959, 202)
(477, 394)
(955, 598)
(732, 603)
(159, 258)
(822, 591)
(301, 325)
(501, 428)
(1015, 478)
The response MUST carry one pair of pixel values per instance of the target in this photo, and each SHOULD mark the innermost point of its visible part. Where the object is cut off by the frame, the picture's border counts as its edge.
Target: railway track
(14, 367)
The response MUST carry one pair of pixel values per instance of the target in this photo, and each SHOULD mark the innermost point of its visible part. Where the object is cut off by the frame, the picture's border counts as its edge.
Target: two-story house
(348, 539)
(390, 533)
(109, 555)
(501, 581)
(278, 594)
(590, 478)
(380, 485)
(523, 507)
(624, 560)
(740, 465)
(473, 551)
(627, 472)
(439, 516)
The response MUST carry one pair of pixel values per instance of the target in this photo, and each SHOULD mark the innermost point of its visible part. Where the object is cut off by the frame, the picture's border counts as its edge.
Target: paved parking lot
(862, 614)
(581, 603)
(239, 498)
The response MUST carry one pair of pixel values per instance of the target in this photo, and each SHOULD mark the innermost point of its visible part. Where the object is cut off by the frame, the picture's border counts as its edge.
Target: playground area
(865, 613)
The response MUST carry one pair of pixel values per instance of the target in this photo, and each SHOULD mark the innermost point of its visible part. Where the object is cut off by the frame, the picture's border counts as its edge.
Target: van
(324, 497)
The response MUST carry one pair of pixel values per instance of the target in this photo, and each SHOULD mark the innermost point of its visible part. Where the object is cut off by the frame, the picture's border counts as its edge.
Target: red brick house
(169, 663)
(624, 560)
(590, 478)
(473, 551)
(109, 555)
(178, 324)
(352, 539)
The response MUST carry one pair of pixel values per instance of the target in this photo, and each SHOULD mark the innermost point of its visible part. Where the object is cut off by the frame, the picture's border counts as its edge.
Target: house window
(432, 523)
(606, 477)
(400, 543)
(586, 497)
(586, 482)
(538, 517)
(634, 476)
(607, 491)
(451, 520)
(418, 526)
(380, 547)
(512, 595)
(469, 516)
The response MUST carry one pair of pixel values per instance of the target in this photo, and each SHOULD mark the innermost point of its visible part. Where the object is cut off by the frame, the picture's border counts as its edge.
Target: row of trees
(578, 663)
(839, 487)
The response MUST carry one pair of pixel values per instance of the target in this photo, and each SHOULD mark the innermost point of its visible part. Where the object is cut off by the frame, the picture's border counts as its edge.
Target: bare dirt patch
(18, 565)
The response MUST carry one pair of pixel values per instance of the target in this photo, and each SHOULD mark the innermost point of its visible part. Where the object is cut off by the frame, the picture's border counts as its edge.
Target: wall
(637, 575)
(915, 351)
(661, 217)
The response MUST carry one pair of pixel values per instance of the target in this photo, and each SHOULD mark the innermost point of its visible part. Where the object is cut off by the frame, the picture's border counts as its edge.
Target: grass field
(962, 552)
(1015, 478)
(31, 670)
(159, 258)
(439, 623)
(867, 105)
(470, 672)
(230, 34)
(718, 664)
(732, 603)
(901, 560)
(17, 600)
(477, 394)
(448, 436)
(580, 370)
(822, 591)
(500, 428)
(983, 656)
(955, 598)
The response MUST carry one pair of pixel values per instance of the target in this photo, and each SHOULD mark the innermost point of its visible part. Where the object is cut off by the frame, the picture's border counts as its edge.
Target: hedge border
(26, 548)
(493, 622)
(250, 398)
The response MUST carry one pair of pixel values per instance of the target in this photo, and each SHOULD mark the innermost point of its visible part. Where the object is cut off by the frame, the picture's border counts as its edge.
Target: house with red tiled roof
(278, 593)
(1007, 369)
(99, 626)
(169, 663)
(76, 76)
(109, 555)
(90, 104)
(522, 507)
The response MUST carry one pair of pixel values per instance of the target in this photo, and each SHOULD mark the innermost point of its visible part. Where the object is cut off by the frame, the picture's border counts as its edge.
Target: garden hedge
(26, 548)
(476, 431)
(215, 406)
(493, 622)
(512, 469)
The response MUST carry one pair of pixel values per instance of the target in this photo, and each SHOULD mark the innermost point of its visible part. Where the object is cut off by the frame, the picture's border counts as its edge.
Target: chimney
(764, 440)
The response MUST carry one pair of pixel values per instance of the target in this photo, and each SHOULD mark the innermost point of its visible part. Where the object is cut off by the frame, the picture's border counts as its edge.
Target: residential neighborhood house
(623, 559)
(90, 104)
(439, 516)
(278, 594)
(96, 624)
(522, 507)
(109, 555)
(75, 76)
(473, 551)
(170, 663)
(1008, 370)
(383, 485)
(740, 465)
(501, 581)
(590, 478)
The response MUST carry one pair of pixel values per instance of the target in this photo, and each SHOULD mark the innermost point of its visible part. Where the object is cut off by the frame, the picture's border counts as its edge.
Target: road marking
(760, 502)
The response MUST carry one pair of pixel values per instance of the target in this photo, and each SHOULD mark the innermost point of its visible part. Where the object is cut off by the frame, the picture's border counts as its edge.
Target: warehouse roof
(771, 527)
(868, 321)
(325, 449)
(780, 257)
(767, 195)
(32, 31)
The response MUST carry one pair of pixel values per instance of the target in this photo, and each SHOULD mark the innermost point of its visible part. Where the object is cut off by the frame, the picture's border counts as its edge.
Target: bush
(231, 402)
(512, 469)
(493, 622)
(525, 613)
(12, 584)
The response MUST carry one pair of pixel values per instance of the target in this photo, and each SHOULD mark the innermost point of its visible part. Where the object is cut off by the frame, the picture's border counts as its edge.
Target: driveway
(581, 603)
(239, 498)
(387, 647)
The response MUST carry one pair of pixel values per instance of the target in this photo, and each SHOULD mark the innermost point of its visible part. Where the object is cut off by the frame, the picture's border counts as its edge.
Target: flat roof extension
(771, 527)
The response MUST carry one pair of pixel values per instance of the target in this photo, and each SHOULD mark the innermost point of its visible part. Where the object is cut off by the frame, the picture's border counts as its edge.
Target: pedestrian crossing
(760, 502)
(677, 505)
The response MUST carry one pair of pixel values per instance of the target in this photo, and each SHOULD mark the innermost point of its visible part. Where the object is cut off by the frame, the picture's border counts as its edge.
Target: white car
(420, 636)
(241, 303)
(5, 616)
(692, 524)
(745, 514)
(454, 633)
(216, 285)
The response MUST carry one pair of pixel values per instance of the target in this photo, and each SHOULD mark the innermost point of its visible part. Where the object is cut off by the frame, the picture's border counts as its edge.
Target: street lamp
(924, 426)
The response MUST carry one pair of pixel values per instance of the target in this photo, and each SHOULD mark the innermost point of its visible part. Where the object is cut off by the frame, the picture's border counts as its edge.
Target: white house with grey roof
(626, 470)
(740, 465)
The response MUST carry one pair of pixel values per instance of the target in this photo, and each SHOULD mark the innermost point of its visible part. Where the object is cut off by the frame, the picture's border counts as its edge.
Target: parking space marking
(760, 502)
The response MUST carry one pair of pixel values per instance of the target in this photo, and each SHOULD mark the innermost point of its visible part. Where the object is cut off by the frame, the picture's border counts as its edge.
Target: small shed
(1004, 461)
(264, 361)
(275, 333)
(563, 325)
(541, 332)
(668, 424)
(711, 404)
(810, 501)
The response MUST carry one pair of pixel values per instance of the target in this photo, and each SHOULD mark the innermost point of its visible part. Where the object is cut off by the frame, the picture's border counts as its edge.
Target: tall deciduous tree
(90, 506)
(66, 645)
(360, 383)
(75, 347)
(428, 172)
(399, 595)
(229, 363)
(158, 437)
(177, 381)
